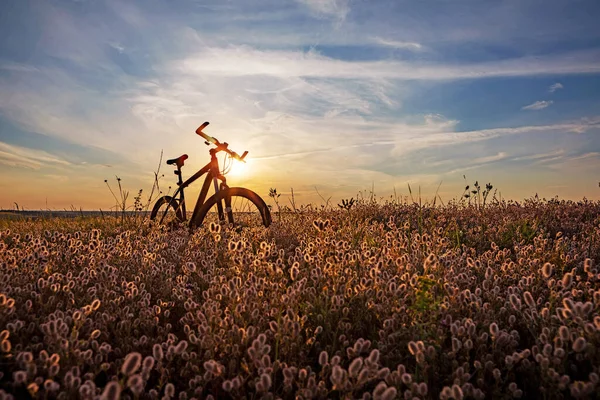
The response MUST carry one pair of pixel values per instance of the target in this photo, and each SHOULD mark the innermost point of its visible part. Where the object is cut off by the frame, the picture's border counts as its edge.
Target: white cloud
(336, 9)
(246, 61)
(118, 47)
(23, 157)
(542, 157)
(578, 163)
(491, 159)
(538, 105)
(397, 44)
(553, 88)
(17, 67)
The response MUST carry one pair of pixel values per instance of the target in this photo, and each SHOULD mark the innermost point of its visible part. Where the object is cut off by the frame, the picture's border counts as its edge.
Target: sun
(238, 169)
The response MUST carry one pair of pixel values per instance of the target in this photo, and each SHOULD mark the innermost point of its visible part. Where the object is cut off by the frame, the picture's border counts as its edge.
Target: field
(380, 301)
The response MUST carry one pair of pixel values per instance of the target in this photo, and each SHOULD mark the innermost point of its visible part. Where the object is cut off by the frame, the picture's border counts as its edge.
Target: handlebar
(204, 135)
(220, 146)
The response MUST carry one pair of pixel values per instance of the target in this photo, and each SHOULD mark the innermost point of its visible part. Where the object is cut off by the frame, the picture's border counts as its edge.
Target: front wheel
(167, 212)
(238, 206)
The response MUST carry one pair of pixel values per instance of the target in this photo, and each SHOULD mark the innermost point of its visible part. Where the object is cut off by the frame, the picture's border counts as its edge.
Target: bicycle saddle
(179, 160)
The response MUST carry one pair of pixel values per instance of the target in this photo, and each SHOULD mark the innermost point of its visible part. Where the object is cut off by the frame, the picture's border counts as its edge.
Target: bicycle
(241, 206)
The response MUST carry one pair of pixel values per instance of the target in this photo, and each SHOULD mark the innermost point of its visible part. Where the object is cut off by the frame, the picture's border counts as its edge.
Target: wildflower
(294, 271)
(456, 345)
(170, 389)
(112, 391)
(132, 363)
(496, 373)
(135, 384)
(446, 393)
(529, 299)
(302, 374)
(568, 304)
(547, 270)
(355, 366)
(494, 329)
(389, 393)
(273, 326)
(227, 386)
(33, 388)
(20, 377)
(5, 346)
(323, 358)
(53, 370)
(157, 352)
(406, 379)
(337, 375)
(265, 380)
(374, 356)
(181, 347)
(515, 301)
(457, 392)
(288, 374)
(567, 279)
(27, 356)
(579, 344)
(148, 363)
(412, 347)
(563, 332)
(379, 390)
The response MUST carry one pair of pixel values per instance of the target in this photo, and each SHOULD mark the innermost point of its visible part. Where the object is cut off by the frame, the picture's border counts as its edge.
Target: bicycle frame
(213, 175)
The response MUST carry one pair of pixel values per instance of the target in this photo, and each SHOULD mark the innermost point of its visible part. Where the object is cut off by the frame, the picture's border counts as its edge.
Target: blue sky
(338, 95)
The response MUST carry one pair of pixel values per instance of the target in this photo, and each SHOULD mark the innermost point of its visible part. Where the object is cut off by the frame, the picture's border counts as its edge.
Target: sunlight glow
(238, 169)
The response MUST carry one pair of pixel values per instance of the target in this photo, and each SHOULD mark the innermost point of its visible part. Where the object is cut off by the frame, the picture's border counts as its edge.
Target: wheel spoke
(243, 207)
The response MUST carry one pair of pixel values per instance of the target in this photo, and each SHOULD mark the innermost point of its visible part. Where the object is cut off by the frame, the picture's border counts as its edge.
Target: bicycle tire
(173, 218)
(235, 212)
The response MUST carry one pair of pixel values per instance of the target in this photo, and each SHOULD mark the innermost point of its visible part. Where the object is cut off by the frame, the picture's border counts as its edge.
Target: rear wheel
(166, 212)
(240, 207)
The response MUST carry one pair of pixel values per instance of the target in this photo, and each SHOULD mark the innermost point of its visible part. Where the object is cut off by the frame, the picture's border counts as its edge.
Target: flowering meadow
(377, 301)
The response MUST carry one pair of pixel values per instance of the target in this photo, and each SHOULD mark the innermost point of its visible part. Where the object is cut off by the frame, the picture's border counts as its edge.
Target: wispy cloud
(17, 67)
(542, 157)
(578, 163)
(538, 105)
(553, 88)
(397, 44)
(336, 9)
(17, 156)
(245, 61)
(118, 47)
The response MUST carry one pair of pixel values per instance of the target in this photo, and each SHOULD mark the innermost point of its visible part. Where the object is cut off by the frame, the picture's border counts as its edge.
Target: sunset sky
(337, 96)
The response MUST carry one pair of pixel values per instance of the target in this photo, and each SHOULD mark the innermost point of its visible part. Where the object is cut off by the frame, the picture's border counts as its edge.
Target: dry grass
(381, 301)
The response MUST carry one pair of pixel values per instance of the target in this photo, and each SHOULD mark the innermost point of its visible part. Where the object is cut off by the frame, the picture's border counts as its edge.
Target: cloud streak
(397, 44)
(336, 9)
(538, 105)
(247, 61)
(22, 157)
(553, 88)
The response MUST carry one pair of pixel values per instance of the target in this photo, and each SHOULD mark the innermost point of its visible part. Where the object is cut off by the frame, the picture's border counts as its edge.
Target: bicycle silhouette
(236, 205)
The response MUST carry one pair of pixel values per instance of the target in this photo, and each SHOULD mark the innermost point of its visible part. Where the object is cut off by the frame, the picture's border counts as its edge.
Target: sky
(333, 98)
